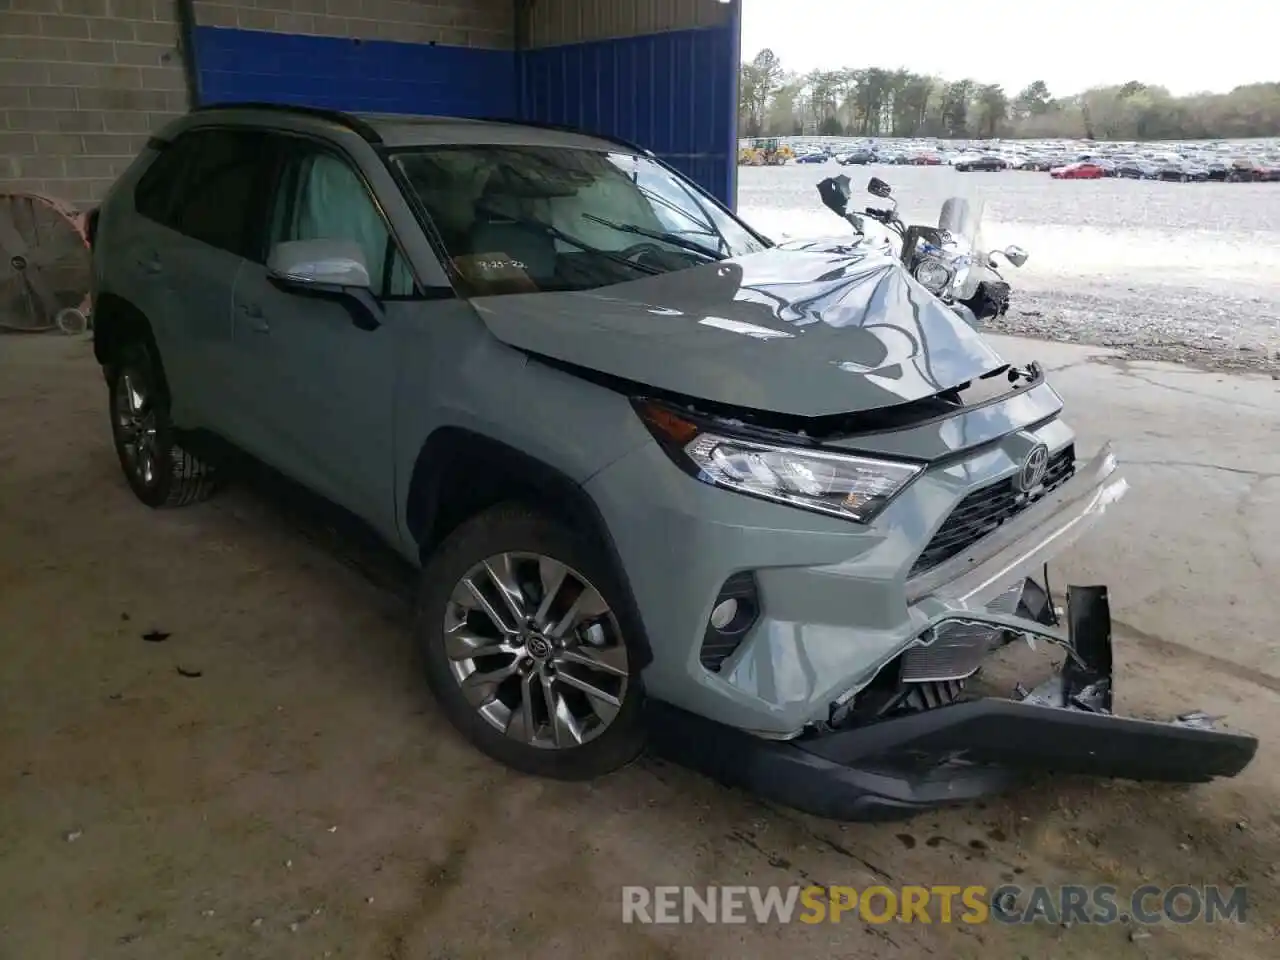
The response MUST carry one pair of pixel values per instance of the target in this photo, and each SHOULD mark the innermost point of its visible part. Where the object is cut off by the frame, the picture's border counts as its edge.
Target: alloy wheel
(136, 427)
(536, 650)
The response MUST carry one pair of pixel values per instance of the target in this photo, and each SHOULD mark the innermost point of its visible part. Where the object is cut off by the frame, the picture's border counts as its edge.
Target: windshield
(519, 219)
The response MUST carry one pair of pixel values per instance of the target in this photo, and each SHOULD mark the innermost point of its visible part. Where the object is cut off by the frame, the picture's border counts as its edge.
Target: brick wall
(555, 22)
(463, 23)
(82, 82)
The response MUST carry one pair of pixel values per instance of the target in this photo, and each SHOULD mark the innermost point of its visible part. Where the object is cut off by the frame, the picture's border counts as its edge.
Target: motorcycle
(946, 260)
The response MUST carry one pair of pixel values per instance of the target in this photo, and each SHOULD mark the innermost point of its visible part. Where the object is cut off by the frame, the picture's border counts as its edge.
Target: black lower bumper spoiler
(898, 766)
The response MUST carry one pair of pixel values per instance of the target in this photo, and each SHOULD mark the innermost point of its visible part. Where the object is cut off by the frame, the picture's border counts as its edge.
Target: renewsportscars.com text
(974, 904)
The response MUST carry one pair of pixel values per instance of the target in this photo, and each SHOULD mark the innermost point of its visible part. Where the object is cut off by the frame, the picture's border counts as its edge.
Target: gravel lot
(1183, 272)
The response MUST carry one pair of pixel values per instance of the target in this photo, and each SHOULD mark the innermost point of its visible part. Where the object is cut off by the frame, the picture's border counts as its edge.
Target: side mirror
(1016, 255)
(330, 269)
(878, 188)
(319, 263)
(835, 194)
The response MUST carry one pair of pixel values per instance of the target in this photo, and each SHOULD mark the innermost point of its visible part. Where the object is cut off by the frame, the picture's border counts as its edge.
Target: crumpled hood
(808, 329)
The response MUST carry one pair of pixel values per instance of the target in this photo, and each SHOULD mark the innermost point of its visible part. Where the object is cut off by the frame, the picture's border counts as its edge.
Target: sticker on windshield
(492, 264)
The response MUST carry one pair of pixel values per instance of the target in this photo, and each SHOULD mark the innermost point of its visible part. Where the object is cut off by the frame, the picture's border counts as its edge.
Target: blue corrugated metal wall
(674, 93)
(359, 75)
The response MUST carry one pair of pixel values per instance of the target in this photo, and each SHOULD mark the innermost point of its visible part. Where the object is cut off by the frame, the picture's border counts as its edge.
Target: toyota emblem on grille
(1031, 474)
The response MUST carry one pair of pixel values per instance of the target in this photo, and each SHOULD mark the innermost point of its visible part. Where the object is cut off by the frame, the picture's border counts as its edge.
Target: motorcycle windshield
(961, 217)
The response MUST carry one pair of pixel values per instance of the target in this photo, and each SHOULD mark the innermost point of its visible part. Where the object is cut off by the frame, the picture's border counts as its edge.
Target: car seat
(495, 232)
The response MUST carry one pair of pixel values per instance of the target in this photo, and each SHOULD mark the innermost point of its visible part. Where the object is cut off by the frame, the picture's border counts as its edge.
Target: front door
(323, 387)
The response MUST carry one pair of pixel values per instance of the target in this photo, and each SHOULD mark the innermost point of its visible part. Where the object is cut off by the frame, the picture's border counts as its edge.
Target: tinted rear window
(202, 185)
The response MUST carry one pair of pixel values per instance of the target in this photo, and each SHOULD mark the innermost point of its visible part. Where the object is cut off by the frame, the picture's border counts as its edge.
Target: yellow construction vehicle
(765, 153)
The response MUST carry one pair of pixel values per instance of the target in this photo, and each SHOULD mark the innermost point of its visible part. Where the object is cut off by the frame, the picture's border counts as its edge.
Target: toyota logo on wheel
(1031, 474)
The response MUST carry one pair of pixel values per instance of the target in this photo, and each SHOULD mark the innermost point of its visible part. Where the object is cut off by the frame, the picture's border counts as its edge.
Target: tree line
(898, 103)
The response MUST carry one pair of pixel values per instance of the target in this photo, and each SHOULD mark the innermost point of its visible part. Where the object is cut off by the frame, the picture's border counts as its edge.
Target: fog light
(724, 613)
(733, 614)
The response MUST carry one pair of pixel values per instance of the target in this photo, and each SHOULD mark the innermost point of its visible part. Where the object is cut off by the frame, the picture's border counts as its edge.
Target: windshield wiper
(707, 228)
(672, 238)
(573, 241)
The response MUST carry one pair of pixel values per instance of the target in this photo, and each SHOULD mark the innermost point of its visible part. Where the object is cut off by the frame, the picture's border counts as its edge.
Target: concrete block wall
(450, 57)
(556, 22)
(463, 23)
(82, 83)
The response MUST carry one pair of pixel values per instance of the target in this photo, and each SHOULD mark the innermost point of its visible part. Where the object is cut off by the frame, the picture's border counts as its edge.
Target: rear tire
(158, 470)
(532, 693)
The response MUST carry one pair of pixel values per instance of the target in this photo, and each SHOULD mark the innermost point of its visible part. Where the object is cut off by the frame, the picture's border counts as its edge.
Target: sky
(1186, 45)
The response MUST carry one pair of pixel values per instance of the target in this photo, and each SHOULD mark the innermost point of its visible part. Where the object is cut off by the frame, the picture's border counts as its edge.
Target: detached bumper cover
(895, 767)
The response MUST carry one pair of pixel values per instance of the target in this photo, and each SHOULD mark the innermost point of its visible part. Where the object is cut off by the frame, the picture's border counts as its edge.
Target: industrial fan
(44, 265)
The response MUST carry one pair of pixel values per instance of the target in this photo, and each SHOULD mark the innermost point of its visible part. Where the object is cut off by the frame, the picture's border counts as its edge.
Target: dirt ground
(272, 780)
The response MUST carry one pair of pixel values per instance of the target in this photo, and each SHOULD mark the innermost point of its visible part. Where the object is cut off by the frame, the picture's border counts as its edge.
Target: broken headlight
(854, 488)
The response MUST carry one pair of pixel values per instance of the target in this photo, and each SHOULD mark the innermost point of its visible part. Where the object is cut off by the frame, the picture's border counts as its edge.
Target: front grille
(918, 697)
(955, 652)
(984, 510)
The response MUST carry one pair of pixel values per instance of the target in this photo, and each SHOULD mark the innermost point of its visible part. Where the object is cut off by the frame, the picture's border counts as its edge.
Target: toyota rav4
(771, 507)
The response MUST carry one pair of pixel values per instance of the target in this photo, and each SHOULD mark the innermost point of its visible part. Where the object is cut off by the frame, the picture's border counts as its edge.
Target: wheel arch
(117, 322)
(458, 473)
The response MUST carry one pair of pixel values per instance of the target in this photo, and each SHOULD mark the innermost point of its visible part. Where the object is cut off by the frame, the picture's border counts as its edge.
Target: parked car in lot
(812, 158)
(1268, 170)
(1137, 170)
(858, 157)
(1085, 170)
(987, 162)
(1245, 170)
(1182, 171)
(1219, 170)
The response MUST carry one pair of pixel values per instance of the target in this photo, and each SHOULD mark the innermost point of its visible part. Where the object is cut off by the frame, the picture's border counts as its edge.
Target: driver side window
(321, 197)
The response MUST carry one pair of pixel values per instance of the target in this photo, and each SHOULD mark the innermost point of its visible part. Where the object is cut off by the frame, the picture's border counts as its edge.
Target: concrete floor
(302, 797)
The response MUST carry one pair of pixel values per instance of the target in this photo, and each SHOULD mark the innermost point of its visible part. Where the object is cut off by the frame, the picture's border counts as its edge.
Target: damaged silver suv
(769, 508)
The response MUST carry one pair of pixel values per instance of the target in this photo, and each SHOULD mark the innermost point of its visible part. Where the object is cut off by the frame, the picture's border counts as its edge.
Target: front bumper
(899, 766)
(837, 600)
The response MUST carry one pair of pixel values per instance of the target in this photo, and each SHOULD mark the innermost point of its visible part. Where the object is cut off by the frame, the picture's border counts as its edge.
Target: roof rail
(354, 124)
(567, 128)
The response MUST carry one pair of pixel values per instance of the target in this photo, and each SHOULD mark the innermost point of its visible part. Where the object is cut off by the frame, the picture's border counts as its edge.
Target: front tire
(158, 470)
(527, 647)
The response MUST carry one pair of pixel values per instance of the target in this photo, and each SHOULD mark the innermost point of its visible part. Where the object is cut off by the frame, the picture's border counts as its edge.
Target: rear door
(194, 205)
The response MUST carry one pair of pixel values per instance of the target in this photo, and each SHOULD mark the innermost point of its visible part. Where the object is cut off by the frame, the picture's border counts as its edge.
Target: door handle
(151, 264)
(252, 312)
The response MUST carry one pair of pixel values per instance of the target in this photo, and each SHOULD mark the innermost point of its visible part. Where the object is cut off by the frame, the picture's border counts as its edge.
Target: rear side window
(154, 195)
(203, 184)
